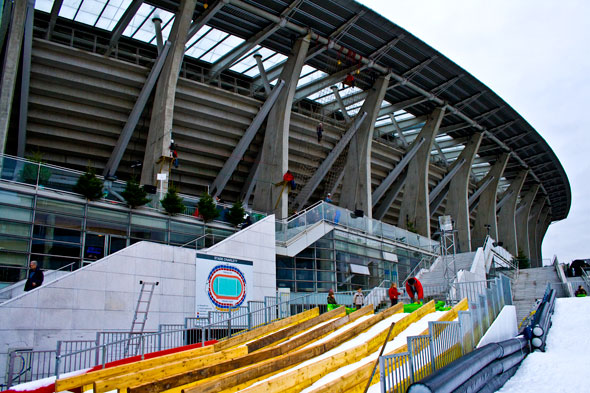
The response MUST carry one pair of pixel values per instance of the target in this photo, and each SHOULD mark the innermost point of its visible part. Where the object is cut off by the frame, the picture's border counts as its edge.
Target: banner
(222, 283)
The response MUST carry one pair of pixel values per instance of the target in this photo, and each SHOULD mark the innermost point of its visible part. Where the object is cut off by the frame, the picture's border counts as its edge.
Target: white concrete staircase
(436, 274)
(531, 285)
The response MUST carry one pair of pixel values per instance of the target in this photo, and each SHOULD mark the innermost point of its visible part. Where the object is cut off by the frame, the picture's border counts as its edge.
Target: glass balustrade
(297, 224)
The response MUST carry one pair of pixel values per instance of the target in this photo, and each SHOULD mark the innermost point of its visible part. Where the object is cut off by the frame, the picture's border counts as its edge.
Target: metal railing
(71, 355)
(290, 228)
(205, 241)
(446, 341)
(51, 177)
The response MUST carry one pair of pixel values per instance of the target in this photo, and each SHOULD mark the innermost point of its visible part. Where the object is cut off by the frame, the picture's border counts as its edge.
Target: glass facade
(344, 261)
(60, 233)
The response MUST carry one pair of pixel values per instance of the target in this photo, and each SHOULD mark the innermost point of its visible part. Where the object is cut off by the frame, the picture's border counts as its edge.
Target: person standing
(358, 298)
(393, 294)
(331, 297)
(35, 278)
(328, 198)
(414, 288)
(320, 130)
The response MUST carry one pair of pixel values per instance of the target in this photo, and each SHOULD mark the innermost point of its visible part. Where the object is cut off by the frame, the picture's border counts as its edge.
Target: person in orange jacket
(414, 288)
(393, 294)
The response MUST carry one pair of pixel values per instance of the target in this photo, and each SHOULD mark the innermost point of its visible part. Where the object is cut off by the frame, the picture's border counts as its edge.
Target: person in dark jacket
(320, 130)
(331, 297)
(393, 294)
(35, 278)
(414, 288)
(581, 292)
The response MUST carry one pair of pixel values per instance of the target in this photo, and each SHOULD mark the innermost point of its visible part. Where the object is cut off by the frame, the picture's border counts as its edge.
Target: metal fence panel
(445, 341)
(420, 352)
(82, 354)
(26, 366)
(395, 373)
(467, 331)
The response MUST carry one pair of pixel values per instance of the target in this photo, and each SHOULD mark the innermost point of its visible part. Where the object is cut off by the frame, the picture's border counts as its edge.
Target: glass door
(116, 243)
(94, 247)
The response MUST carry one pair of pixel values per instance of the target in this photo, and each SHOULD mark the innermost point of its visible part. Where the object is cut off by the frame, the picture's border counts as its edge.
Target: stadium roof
(348, 35)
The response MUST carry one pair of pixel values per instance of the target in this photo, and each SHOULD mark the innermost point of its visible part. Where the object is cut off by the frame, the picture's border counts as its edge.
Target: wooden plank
(357, 379)
(174, 380)
(86, 379)
(259, 332)
(306, 376)
(163, 370)
(291, 359)
(284, 333)
(78, 381)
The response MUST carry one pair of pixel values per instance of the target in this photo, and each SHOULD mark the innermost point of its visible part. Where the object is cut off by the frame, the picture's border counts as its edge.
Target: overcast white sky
(535, 54)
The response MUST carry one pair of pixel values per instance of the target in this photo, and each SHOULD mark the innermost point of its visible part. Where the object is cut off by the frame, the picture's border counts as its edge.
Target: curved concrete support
(486, 208)
(158, 142)
(274, 161)
(356, 182)
(507, 214)
(534, 216)
(458, 197)
(522, 220)
(415, 206)
(10, 71)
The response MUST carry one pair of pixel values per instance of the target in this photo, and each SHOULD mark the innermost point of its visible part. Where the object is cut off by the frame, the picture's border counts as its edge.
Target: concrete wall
(255, 243)
(103, 295)
(503, 328)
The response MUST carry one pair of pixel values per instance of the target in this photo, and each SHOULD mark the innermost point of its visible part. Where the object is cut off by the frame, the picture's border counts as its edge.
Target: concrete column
(10, 69)
(356, 181)
(274, 161)
(415, 206)
(486, 208)
(536, 210)
(458, 197)
(542, 233)
(542, 225)
(522, 220)
(157, 150)
(506, 217)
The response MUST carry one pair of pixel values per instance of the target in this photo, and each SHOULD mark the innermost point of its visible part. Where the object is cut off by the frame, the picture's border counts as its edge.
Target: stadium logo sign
(226, 287)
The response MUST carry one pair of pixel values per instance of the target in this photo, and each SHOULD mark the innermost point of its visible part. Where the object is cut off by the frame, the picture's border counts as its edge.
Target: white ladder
(141, 313)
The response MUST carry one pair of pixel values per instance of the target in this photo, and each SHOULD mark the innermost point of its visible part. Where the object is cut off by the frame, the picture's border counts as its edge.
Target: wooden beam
(79, 381)
(357, 379)
(284, 333)
(161, 371)
(264, 356)
(259, 332)
(88, 379)
(293, 379)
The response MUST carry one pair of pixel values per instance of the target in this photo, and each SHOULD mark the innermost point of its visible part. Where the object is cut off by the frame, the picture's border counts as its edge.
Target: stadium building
(383, 136)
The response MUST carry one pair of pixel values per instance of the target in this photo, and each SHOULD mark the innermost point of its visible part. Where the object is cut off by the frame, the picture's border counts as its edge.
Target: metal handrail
(202, 237)
(143, 338)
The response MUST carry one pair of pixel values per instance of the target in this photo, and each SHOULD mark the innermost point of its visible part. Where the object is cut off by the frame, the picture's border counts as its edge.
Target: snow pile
(563, 367)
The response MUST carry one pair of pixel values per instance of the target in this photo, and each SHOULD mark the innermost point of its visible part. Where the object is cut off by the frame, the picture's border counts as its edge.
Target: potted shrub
(134, 195)
(207, 209)
(89, 185)
(172, 202)
(235, 215)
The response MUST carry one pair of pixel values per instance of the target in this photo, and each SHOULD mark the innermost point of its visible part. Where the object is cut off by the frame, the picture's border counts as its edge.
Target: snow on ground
(39, 383)
(564, 365)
